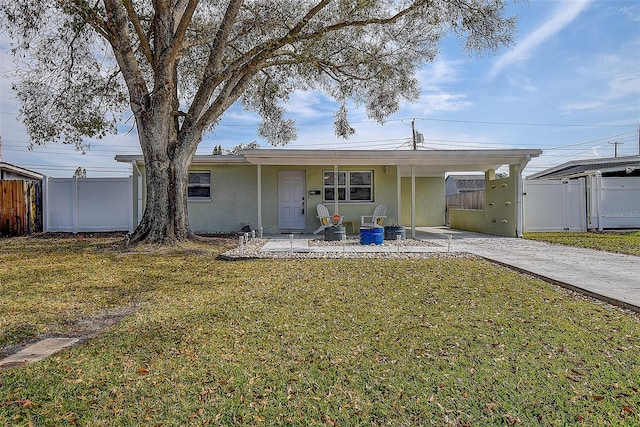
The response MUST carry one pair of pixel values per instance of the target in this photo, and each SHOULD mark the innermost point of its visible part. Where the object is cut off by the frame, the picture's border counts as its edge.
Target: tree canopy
(178, 65)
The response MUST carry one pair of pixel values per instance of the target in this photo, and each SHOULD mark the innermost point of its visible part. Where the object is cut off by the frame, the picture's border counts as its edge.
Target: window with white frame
(199, 186)
(351, 186)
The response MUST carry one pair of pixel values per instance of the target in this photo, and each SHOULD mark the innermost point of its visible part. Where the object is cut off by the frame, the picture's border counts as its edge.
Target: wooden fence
(20, 207)
(467, 200)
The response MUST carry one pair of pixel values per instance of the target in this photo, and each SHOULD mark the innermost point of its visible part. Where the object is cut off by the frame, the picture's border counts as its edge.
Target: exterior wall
(234, 191)
(500, 213)
(234, 200)
(384, 192)
(430, 206)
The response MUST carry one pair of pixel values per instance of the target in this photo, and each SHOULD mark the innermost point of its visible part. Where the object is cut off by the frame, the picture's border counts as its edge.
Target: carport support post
(518, 171)
(335, 190)
(413, 202)
(519, 195)
(399, 194)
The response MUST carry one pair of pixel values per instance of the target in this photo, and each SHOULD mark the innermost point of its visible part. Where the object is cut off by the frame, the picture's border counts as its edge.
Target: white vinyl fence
(552, 205)
(614, 202)
(88, 204)
(592, 202)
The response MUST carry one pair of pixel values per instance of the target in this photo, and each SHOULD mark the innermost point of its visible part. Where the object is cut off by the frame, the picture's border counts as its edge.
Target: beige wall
(500, 212)
(430, 203)
(234, 198)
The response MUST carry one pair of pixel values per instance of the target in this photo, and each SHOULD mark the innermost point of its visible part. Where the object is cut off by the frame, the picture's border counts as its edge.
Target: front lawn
(610, 241)
(438, 341)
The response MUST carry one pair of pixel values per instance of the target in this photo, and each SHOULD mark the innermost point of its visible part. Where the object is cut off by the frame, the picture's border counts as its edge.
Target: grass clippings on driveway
(439, 341)
(610, 241)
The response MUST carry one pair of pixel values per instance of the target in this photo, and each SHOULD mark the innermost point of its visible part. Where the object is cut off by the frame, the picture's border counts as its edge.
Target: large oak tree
(178, 65)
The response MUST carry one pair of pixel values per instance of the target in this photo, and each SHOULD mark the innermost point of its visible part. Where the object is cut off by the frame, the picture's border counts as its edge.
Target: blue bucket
(370, 236)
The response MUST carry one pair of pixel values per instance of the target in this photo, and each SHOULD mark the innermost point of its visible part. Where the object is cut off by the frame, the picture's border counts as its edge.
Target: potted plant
(337, 231)
(393, 230)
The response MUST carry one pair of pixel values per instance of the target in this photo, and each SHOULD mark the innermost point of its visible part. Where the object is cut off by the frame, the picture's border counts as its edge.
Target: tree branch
(125, 56)
(181, 30)
(144, 40)
(212, 78)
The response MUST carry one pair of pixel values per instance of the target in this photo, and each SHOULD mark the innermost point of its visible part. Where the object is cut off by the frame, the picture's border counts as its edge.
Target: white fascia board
(451, 158)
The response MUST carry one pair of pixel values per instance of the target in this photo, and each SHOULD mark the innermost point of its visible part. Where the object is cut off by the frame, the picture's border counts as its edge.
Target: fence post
(599, 199)
(75, 207)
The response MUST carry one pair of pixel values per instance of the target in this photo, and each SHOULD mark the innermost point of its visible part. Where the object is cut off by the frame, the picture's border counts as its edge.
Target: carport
(502, 216)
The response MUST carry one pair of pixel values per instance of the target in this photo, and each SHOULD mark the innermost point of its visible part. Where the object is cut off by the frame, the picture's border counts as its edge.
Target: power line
(393, 120)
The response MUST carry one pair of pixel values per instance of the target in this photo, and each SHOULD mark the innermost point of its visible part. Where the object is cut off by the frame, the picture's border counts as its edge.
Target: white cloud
(435, 74)
(564, 14)
(443, 102)
(310, 104)
(522, 82)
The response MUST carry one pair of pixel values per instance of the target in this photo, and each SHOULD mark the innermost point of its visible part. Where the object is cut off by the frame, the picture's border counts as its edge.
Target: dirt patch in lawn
(83, 328)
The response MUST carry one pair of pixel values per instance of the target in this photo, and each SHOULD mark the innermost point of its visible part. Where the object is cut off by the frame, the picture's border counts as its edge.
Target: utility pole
(413, 131)
(615, 145)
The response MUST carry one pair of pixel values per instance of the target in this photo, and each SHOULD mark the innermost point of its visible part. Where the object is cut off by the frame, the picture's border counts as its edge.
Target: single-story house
(458, 184)
(277, 190)
(600, 193)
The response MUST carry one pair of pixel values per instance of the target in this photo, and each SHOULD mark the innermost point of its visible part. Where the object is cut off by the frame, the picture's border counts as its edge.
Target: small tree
(253, 145)
(80, 172)
(178, 65)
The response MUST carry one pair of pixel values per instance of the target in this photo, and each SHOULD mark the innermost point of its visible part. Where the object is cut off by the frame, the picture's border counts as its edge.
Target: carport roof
(425, 161)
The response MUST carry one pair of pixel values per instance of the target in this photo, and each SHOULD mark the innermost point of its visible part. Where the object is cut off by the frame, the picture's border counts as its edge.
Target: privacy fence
(591, 202)
(20, 207)
(88, 204)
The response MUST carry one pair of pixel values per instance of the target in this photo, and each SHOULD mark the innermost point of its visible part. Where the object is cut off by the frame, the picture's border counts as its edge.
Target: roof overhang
(424, 162)
(197, 160)
(20, 171)
(587, 167)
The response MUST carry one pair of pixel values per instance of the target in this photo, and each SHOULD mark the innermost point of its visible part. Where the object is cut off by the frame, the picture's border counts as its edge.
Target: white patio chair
(379, 214)
(326, 220)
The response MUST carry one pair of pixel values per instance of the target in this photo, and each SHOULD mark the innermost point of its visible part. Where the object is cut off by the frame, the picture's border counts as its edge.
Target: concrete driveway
(611, 277)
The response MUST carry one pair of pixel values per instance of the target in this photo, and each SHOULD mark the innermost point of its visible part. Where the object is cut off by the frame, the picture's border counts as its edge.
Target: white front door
(291, 200)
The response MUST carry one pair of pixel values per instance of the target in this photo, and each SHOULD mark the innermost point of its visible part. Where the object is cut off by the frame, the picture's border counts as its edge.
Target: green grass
(620, 242)
(440, 341)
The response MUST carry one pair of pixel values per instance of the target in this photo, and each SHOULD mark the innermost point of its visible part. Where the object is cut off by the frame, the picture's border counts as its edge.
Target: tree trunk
(165, 219)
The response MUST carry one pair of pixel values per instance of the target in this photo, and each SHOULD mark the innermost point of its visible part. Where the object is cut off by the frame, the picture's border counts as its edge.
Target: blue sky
(570, 86)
